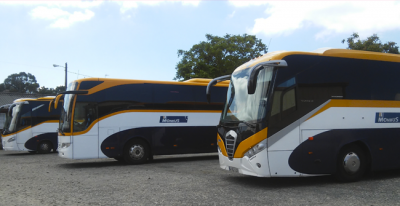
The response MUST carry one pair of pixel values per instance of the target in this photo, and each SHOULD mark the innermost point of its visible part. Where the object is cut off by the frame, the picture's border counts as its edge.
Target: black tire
(136, 152)
(44, 147)
(351, 164)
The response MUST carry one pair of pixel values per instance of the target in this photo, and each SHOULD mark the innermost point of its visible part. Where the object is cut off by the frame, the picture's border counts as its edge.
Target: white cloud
(128, 5)
(77, 4)
(247, 3)
(61, 18)
(364, 17)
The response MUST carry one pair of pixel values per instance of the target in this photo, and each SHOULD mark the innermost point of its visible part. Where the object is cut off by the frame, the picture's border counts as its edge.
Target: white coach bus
(30, 127)
(292, 114)
(132, 120)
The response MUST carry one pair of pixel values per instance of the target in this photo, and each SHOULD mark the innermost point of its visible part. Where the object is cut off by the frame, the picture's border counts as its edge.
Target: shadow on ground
(286, 182)
(114, 163)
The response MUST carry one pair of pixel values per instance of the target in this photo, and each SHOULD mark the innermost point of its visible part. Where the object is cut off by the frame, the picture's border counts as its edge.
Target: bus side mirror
(214, 82)
(57, 100)
(252, 82)
(51, 106)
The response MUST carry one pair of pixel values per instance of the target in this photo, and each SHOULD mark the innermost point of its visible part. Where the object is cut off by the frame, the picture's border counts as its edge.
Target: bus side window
(284, 99)
(289, 101)
(24, 120)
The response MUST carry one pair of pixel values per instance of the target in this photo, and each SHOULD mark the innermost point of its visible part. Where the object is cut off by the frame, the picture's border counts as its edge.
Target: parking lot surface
(35, 179)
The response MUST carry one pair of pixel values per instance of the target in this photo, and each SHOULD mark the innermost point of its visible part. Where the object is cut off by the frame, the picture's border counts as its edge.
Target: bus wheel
(136, 152)
(44, 147)
(351, 164)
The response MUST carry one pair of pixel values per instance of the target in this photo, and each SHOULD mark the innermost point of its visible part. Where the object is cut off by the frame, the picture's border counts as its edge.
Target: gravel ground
(34, 179)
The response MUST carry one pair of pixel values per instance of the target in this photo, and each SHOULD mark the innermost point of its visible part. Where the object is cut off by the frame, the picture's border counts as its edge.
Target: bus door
(85, 134)
(284, 127)
(24, 123)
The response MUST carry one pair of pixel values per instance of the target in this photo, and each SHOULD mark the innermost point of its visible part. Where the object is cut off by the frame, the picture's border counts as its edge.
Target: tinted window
(174, 96)
(385, 82)
(84, 115)
(123, 97)
(24, 120)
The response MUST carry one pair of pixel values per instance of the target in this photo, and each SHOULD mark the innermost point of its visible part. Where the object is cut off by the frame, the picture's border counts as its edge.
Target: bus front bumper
(10, 143)
(256, 166)
(64, 147)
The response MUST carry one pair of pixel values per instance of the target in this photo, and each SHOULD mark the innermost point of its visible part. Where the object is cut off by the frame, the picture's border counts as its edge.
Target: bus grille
(230, 140)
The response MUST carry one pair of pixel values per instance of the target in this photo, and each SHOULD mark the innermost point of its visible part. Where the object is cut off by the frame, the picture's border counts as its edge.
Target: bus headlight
(256, 149)
(65, 145)
(11, 139)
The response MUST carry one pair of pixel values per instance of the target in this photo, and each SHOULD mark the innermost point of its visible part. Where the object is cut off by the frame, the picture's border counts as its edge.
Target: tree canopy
(22, 82)
(26, 83)
(372, 43)
(218, 56)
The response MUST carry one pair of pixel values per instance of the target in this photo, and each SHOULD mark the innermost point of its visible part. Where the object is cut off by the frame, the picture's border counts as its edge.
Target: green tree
(218, 56)
(372, 43)
(22, 82)
(45, 90)
(2, 87)
(59, 89)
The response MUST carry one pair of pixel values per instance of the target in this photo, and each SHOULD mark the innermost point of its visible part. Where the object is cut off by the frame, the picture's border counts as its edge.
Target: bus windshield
(241, 106)
(66, 111)
(10, 125)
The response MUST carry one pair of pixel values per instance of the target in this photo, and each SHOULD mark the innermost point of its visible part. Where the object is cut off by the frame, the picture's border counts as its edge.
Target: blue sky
(140, 40)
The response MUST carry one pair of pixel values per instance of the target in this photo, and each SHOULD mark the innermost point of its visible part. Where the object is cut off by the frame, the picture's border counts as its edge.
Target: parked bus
(3, 114)
(132, 120)
(291, 114)
(30, 127)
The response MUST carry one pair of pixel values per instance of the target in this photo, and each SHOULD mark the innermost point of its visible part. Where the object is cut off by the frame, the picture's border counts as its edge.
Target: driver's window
(24, 121)
(84, 115)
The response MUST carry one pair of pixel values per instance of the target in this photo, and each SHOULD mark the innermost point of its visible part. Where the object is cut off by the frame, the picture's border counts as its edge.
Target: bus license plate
(233, 169)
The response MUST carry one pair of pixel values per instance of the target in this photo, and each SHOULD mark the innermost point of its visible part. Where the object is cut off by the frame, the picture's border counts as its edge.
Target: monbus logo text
(173, 119)
(382, 117)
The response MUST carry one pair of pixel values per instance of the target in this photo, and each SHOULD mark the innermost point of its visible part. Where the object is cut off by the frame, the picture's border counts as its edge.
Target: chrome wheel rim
(351, 163)
(136, 152)
(44, 147)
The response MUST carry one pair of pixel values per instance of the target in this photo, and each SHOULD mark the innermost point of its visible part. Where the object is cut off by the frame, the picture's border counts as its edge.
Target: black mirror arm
(252, 82)
(214, 82)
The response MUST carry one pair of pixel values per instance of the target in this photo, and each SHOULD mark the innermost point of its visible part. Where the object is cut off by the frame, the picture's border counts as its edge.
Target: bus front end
(10, 142)
(64, 131)
(9, 136)
(242, 131)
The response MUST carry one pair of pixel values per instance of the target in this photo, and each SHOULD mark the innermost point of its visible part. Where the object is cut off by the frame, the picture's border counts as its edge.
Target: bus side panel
(181, 140)
(318, 156)
(22, 137)
(113, 145)
(32, 143)
(164, 140)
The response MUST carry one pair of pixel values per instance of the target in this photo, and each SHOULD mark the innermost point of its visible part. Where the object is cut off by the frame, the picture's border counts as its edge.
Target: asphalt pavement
(46, 179)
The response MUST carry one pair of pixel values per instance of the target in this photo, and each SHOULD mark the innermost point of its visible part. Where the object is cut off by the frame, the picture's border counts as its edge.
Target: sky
(140, 39)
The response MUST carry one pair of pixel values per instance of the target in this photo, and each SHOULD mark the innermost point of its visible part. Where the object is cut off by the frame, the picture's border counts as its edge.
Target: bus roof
(109, 82)
(329, 52)
(47, 98)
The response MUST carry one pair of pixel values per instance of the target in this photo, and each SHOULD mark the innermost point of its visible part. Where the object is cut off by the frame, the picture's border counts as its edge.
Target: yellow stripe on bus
(132, 111)
(250, 142)
(357, 103)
